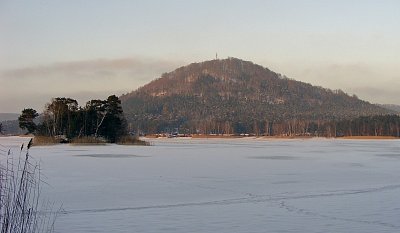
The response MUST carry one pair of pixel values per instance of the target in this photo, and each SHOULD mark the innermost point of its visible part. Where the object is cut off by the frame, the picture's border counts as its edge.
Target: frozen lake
(224, 186)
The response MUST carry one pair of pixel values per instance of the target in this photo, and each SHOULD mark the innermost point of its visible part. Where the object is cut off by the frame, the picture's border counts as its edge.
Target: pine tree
(26, 120)
(114, 122)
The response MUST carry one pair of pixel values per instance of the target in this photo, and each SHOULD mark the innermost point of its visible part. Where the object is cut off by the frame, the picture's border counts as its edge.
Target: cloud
(375, 83)
(77, 79)
(98, 67)
(369, 82)
(36, 100)
(99, 78)
(379, 94)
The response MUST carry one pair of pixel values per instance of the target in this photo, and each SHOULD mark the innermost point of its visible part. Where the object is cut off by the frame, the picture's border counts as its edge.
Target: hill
(234, 96)
(391, 107)
(8, 116)
(12, 128)
(9, 123)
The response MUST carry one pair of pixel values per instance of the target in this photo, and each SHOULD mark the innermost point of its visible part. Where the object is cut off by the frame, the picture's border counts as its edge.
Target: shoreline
(273, 137)
(370, 137)
(239, 138)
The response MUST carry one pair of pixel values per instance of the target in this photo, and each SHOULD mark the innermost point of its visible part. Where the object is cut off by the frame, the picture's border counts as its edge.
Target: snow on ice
(223, 185)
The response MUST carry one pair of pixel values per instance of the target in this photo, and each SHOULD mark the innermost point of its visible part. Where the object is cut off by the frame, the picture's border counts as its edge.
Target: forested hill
(233, 93)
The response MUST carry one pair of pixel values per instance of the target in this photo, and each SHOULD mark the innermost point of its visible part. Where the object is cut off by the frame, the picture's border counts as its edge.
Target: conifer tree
(26, 119)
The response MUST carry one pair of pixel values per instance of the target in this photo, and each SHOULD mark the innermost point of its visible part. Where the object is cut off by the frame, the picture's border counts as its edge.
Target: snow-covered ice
(224, 185)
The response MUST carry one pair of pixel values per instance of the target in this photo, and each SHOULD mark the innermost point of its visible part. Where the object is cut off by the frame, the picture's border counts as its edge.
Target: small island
(64, 121)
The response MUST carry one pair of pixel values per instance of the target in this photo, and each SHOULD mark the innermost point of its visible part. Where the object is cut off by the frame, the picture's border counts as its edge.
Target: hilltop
(232, 95)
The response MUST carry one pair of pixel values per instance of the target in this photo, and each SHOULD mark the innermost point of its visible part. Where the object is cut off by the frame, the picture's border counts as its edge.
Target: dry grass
(152, 136)
(88, 141)
(45, 141)
(125, 140)
(131, 140)
(20, 190)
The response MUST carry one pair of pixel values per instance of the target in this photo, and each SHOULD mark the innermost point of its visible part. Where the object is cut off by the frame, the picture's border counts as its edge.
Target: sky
(90, 49)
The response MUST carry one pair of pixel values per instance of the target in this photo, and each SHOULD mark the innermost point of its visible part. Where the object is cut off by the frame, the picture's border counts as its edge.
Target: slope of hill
(391, 107)
(9, 122)
(235, 95)
(8, 116)
(11, 127)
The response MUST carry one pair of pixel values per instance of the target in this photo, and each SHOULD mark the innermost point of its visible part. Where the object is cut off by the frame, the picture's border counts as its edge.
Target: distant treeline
(63, 116)
(380, 125)
(386, 125)
(105, 119)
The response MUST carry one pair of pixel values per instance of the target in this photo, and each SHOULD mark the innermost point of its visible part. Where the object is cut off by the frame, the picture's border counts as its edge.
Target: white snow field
(224, 185)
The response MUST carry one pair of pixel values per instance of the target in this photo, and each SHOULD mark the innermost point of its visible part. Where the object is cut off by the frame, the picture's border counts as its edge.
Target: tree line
(379, 125)
(63, 116)
(105, 119)
(211, 115)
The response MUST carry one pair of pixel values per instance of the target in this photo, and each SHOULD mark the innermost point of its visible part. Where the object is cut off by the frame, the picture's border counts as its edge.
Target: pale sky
(88, 49)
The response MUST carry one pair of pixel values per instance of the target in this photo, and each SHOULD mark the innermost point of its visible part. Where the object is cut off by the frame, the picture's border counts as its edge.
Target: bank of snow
(226, 185)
